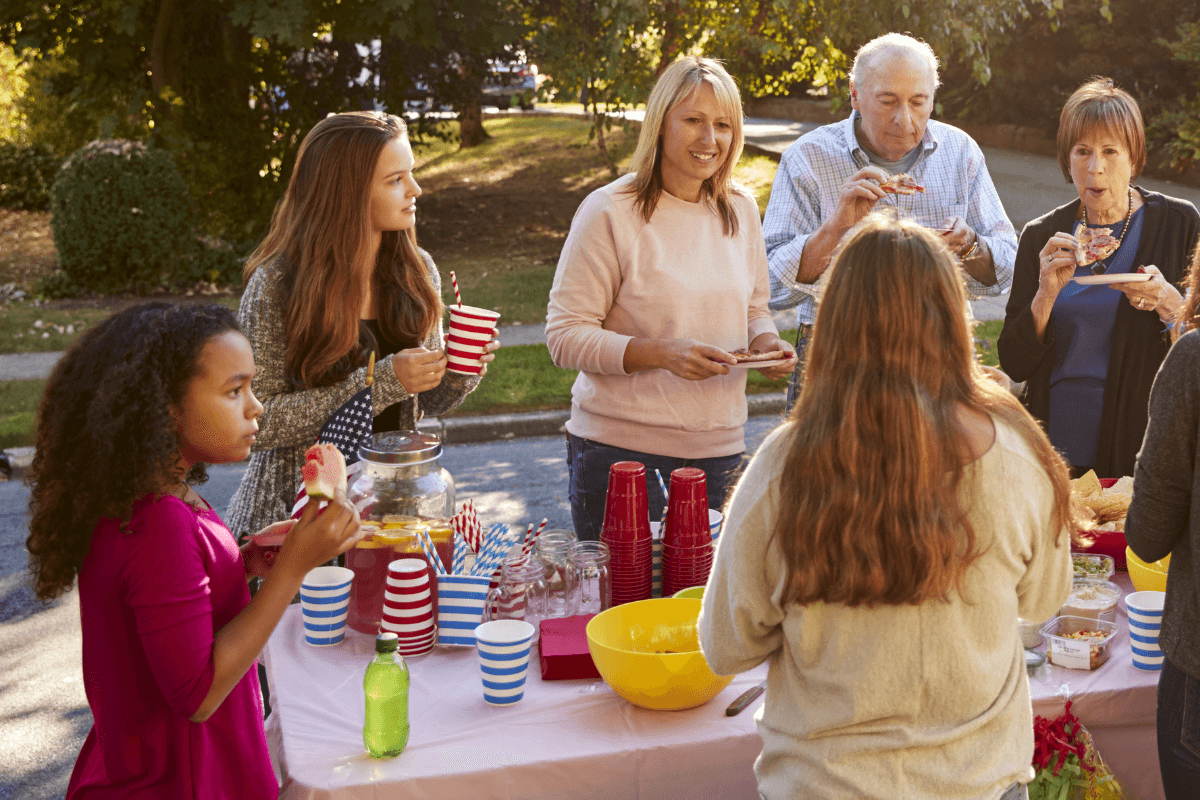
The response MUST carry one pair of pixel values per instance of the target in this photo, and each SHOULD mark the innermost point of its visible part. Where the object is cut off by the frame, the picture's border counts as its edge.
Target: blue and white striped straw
(485, 552)
(498, 543)
(460, 555)
(431, 552)
(662, 483)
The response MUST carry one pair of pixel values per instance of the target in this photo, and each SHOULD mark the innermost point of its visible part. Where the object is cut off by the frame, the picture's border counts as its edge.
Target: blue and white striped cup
(1145, 621)
(503, 646)
(461, 600)
(324, 604)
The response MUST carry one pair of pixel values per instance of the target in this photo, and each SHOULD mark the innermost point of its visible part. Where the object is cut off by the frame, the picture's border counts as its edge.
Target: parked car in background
(509, 84)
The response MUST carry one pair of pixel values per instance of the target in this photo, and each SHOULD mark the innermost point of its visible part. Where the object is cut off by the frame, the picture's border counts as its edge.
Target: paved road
(44, 716)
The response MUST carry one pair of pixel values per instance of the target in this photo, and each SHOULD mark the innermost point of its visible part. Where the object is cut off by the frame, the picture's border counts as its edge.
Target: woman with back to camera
(663, 273)
(883, 542)
(1163, 519)
(339, 275)
(1089, 353)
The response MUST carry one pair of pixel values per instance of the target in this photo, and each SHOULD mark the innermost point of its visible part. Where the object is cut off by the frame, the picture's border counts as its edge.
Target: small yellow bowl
(696, 592)
(1147, 577)
(649, 653)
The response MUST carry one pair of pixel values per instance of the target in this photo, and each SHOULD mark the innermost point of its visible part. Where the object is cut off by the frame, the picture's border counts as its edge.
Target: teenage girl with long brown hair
(883, 542)
(339, 275)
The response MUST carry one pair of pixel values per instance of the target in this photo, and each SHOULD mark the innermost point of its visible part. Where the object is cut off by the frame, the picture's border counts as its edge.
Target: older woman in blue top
(1088, 351)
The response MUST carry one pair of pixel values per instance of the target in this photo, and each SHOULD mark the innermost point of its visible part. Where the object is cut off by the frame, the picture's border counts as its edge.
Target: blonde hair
(676, 84)
(870, 507)
(1096, 106)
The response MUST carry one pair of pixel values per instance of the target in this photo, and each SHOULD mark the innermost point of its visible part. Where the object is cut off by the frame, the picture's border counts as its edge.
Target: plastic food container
(1066, 648)
(1093, 566)
(1093, 599)
(1031, 632)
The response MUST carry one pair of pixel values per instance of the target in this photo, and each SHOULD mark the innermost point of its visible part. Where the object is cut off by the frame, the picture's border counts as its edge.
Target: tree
(604, 51)
(230, 87)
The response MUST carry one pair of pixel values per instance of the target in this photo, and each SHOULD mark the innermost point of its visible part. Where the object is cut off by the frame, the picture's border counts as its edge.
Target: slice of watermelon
(324, 471)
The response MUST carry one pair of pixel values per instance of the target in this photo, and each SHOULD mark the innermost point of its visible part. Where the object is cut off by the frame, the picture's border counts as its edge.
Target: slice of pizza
(747, 356)
(901, 184)
(1095, 244)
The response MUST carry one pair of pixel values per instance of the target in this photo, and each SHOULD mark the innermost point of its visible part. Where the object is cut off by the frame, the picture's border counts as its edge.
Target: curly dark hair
(105, 433)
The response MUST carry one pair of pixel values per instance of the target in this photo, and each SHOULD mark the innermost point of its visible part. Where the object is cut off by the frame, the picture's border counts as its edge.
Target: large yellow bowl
(1147, 577)
(649, 653)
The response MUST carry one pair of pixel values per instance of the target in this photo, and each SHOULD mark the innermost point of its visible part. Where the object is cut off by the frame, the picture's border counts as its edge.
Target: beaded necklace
(1101, 266)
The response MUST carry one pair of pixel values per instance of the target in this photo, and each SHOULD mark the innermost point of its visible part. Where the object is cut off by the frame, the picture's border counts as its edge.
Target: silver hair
(890, 45)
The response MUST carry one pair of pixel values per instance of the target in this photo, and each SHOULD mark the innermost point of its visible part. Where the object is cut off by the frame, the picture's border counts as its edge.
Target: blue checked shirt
(810, 178)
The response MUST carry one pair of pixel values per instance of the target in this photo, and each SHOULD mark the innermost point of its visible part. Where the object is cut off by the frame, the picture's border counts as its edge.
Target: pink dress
(151, 600)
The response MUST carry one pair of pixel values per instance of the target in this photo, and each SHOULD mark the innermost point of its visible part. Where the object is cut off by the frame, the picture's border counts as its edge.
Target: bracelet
(972, 251)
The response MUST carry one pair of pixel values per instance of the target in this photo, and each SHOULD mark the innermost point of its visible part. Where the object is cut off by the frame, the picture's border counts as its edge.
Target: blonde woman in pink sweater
(664, 272)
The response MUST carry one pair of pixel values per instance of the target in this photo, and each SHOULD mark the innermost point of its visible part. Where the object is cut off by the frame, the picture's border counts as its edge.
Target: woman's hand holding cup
(418, 369)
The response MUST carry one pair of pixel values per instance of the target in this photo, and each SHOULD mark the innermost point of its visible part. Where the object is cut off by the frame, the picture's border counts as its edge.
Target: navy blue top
(1083, 327)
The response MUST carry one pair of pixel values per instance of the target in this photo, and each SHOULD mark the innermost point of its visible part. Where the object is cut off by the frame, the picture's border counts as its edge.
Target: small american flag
(345, 430)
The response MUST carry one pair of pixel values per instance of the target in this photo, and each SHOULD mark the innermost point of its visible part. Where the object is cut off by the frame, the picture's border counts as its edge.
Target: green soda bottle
(385, 731)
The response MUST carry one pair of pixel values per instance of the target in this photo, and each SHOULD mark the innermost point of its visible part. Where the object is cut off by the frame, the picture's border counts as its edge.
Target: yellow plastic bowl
(1147, 577)
(649, 653)
(696, 592)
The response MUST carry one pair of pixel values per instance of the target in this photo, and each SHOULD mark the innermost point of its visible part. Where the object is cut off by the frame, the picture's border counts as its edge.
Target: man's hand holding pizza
(856, 198)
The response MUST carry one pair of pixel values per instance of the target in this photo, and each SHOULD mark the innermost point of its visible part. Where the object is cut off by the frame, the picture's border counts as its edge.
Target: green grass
(987, 333)
(18, 408)
(26, 328)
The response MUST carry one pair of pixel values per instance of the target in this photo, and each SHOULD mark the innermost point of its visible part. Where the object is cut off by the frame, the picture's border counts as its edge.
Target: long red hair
(320, 233)
(870, 510)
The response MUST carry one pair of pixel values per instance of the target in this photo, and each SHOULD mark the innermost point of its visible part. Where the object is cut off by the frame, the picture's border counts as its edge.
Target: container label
(1071, 653)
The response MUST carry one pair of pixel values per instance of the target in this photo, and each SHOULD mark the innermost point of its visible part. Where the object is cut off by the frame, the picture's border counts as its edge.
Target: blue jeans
(1178, 732)
(588, 463)
(796, 381)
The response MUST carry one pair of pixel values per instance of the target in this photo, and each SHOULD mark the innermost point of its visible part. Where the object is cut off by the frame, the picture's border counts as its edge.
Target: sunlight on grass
(18, 409)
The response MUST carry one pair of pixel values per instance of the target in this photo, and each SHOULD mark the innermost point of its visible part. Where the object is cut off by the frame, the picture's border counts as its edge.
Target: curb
(475, 430)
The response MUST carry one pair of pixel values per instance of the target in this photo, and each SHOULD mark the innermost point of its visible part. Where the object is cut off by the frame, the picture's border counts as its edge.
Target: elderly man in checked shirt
(829, 179)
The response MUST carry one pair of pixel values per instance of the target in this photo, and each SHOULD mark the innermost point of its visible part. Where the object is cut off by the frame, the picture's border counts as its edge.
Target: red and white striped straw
(527, 546)
(457, 296)
(531, 536)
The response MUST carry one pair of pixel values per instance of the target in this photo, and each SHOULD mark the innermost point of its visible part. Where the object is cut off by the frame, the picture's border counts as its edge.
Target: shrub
(122, 217)
(26, 174)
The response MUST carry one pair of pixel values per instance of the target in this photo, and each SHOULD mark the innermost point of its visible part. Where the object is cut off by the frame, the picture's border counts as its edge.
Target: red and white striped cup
(470, 330)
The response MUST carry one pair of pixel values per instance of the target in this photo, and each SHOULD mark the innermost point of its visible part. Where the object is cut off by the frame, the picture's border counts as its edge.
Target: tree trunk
(470, 125)
(752, 30)
(164, 52)
(598, 121)
(669, 50)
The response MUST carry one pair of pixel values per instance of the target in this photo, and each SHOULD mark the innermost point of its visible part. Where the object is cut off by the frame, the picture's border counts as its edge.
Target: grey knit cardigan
(292, 418)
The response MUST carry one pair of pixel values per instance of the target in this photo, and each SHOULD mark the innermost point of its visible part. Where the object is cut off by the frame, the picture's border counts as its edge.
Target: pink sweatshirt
(678, 276)
(150, 602)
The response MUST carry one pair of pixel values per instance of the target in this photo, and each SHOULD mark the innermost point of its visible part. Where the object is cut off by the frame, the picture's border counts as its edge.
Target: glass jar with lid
(399, 489)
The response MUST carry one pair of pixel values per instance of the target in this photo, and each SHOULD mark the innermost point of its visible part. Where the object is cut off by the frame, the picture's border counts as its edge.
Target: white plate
(1120, 277)
(757, 364)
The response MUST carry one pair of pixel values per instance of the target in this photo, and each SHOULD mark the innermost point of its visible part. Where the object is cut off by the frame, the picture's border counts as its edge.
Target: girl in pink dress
(129, 418)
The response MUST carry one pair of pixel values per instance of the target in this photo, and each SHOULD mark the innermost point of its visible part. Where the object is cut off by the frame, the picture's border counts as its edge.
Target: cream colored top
(677, 276)
(913, 702)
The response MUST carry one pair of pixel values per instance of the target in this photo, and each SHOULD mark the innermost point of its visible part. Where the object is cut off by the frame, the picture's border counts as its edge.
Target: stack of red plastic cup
(626, 531)
(408, 606)
(687, 551)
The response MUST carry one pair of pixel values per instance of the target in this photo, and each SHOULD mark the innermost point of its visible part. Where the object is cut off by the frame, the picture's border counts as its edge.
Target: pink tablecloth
(1116, 703)
(577, 739)
(565, 739)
